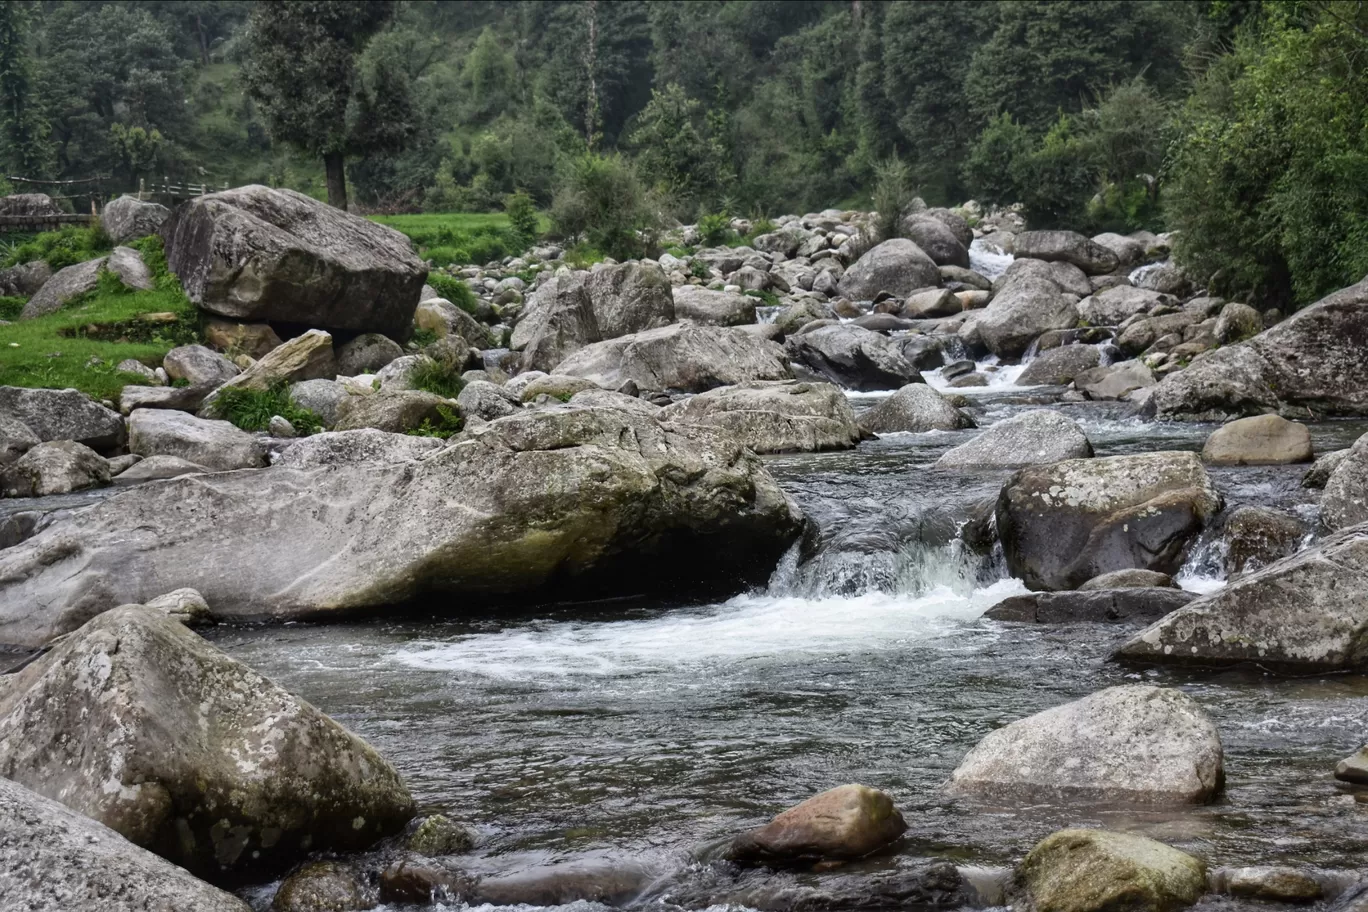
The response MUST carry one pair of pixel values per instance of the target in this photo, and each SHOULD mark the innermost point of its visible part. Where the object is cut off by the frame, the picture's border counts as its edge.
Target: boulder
(915, 408)
(1020, 312)
(1091, 605)
(774, 416)
(15, 439)
(66, 284)
(1354, 768)
(1257, 536)
(1312, 361)
(437, 836)
(936, 302)
(340, 448)
(1129, 579)
(713, 308)
(53, 859)
(575, 501)
(155, 468)
(1114, 381)
(1103, 870)
(936, 240)
(366, 354)
(1238, 322)
(1059, 366)
(1068, 247)
(1258, 440)
(897, 267)
(1030, 438)
(629, 298)
(1270, 883)
(1063, 524)
(1066, 276)
(31, 205)
(1161, 277)
(1319, 474)
(127, 219)
(198, 366)
(601, 398)
(847, 822)
(967, 278)
(217, 445)
(54, 467)
(1139, 335)
(396, 411)
(1345, 501)
(251, 339)
(557, 386)
(957, 224)
(189, 753)
(797, 315)
(1133, 744)
(63, 415)
(128, 265)
(1129, 251)
(1307, 613)
(488, 401)
(306, 357)
(442, 318)
(272, 255)
(323, 886)
(785, 240)
(322, 397)
(24, 280)
(181, 398)
(852, 357)
(557, 321)
(1115, 305)
(680, 358)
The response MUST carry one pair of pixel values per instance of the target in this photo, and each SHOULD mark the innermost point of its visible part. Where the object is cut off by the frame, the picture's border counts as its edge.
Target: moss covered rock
(1104, 871)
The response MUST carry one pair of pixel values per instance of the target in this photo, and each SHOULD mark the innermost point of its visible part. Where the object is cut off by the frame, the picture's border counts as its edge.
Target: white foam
(1004, 377)
(988, 259)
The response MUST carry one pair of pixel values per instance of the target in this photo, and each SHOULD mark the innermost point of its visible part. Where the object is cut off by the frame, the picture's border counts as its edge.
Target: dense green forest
(1239, 123)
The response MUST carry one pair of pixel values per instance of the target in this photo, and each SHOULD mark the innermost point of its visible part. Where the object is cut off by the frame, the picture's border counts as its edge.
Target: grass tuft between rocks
(433, 376)
(448, 425)
(252, 410)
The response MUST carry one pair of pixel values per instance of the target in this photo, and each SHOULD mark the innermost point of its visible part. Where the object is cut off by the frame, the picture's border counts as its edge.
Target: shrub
(63, 248)
(432, 376)
(10, 308)
(893, 193)
(252, 410)
(714, 230)
(454, 290)
(522, 217)
(603, 203)
(447, 425)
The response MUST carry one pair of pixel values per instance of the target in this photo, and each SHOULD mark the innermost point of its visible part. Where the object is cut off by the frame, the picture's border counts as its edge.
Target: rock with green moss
(438, 835)
(138, 723)
(323, 886)
(847, 822)
(1102, 871)
(396, 411)
(557, 386)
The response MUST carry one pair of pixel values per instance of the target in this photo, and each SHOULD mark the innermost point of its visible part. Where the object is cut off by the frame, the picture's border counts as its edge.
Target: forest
(1238, 124)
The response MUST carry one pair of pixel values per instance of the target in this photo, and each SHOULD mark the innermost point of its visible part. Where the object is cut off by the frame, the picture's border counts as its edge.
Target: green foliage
(522, 216)
(24, 147)
(682, 150)
(604, 203)
(63, 248)
(433, 376)
(714, 229)
(252, 410)
(893, 193)
(769, 298)
(448, 425)
(454, 290)
(699, 270)
(460, 239)
(10, 307)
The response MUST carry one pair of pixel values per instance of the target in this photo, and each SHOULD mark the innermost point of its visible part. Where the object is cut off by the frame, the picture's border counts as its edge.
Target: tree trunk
(337, 180)
(203, 39)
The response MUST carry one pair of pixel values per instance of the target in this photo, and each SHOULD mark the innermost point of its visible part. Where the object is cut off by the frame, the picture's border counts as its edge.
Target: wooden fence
(96, 192)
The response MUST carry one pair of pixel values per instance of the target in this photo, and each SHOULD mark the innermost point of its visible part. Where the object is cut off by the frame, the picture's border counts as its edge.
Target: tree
(678, 152)
(23, 130)
(305, 67)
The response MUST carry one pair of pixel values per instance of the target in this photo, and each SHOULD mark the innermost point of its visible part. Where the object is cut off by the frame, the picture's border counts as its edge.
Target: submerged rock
(1103, 871)
(1096, 604)
(1258, 440)
(916, 408)
(1270, 883)
(323, 886)
(783, 416)
(847, 822)
(1040, 436)
(1134, 744)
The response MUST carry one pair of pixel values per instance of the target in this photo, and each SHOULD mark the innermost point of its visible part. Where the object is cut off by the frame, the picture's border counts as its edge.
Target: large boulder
(63, 415)
(1067, 276)
(898, 267)
(680, 358)
(395, 411)
(67, 284)
(1113, 306)
(1345, 501)
(53, 859)
(559, 499)
(1063, 524)
(1306, 613)
(366, 354)
(915, 408)
(936, 240)
(629, 298)
(847, 822)
(1059, 366)
(1030, 438)
(714, 308)
(216, 445)
(333, 448)
(852, 357)
(29, 205)
(306, 357)
(1023, 310)
(24, 280)
(442, 318)
(1312, 361)
(1067, 247)
(54, 467)
(774, 416)
(260, 254)
(1105, 871)
(557, 321)
(127, 219)
(16, 439)
(1129, 744)
(1258, 440)
(1114, 381)
(189, 753)
(199, 367)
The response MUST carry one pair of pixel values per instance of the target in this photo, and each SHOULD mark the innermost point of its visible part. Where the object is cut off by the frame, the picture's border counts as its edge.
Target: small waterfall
(1139, 272)
(988, 259)
(1205, 568)
(914, 570)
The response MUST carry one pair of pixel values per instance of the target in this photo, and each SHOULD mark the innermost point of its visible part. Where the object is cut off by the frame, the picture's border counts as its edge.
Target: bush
(10, 308)
(431, 375)
(714, 230)
(522, 217)
(454, 290)
(893, 193)
(63, 248)
(604, 203)
(252, 410)
(447, 425)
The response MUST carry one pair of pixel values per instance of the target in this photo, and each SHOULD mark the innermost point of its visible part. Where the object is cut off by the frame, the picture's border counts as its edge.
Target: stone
(1115, 305)
(1091, 605)
(1133, 744)
(1059, 366)
(436, 836)
(601, 398)
(53, 859)
(915, 408)
(680, 358)
(415, 881)
(155, 468)
(1161, 277)
(15, 439)
(1237, 323)
(937, 302)
(1067, 277)
(936, 240)
(199, 366)
(120, 464)
(128, 265)
(396, 411)
(1129, 579)
(24, 280)
(847, 822)
(306, 357)
(1345, 501)
(1306, 613)
(252, 339)
(281, 428)
(713, 308)
(1129, 251)
(1258, 440)
(897, 266)
(1102, 870)
(322, 886)
(557, 386)
(1354, 768)
(1319, 474)
(1065, 523)
(629, 298)
(444, 319)
(774, 416)
(366, 354)
(258, 254)
(852, 357)
(797, 315)
(338, 448)
(34, 205)
(1143, 333)
(64, 415)
(180, 398)
(189, 753)
(216, 445)
(67, 284)
(1115, 381)
(967, 278)
(322, 397)
(1021, 311)
(133, 366)
(488, 401)
(924, 353)
(54, 467)
(128, 219)
(557, 321)
(1068, 247)
(595, 885)
(576, 501)
(883, 323)
(1040, 436)
(1271, 883)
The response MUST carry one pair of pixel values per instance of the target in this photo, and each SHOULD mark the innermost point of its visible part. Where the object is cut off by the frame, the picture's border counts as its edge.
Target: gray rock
(281, 428)
(397, 375)
(54, 860)
(199, 366)
(54, 467)
(1099, 870)
(680, 358)
(155, 468)
(1059, 366)
(1021, 311)
(259, 254)
(121, 464)
(1130, 744)
(133, 366)
(1257, 536)
(1140, 335)
(1063, 524)
(1129, 251)
(1345, 501)
(322, 397)
(713, 308)
(852, 357)
(1269, 883)
(38, 205)
(15, 439)
(1129, 579)
(325, 886)
(66, 284)
(397, 411)
(254, 340)
(937, 302)
(915, 408)
(1162, 277)
(844, 823)
(1030, 438)
(127, 219)
(1068, 277)
(1306, 613)
(897, 267)
(215, 444)
(601, 398)
(774, 416)
(1093, 604)
(487, 400)
(966, 277)
(306, 357)
(128, 265)
(785, 240)
(186, 752)
(1068, 247)
(629, 298)
(1258, 440)
(797, 315)
(557, 386)
(557, 321)
(558, 499)
(1115, 381)
(440, 316)
(24, 280)
(1354, 768)
(366, 354)
(181, 398)
(1319, 474)
(1114, 306)
(63, 415)
(937, 240)
(1237, 323)
(340, 448)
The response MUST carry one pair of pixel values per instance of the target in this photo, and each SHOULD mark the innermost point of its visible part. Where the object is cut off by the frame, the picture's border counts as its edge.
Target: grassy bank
(459, 238)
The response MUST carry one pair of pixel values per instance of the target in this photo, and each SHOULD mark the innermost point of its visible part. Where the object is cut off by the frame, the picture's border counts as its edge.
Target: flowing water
(650, 731)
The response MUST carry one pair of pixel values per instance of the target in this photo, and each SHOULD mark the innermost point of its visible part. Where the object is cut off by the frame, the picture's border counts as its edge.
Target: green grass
(434, 377)
(448, 425)
(454, 290)
(252, 410)
(67, 247)
(459, 238)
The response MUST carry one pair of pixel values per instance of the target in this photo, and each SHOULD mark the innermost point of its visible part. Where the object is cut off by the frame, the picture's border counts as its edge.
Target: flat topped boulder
(1129, 744)
(1068, 247)
(260, 254)
(66, 414)
(774, 416)
(1031, 438)
(1258, 440)
(680, 358)
(847, 822)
